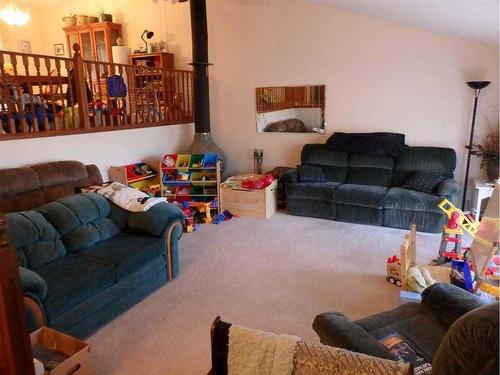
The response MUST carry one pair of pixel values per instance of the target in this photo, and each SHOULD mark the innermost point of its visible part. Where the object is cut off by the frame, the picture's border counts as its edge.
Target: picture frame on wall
(59, 49)
(24, 46)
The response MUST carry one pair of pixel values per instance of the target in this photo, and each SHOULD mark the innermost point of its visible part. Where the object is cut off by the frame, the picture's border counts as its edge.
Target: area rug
(274, 275)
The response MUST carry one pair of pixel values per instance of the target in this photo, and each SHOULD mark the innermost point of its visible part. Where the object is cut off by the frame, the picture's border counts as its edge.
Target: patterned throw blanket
(128, 198)
(253, 352)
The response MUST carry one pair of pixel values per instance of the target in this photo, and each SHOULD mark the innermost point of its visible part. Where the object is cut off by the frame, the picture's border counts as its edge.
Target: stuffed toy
(419, 278)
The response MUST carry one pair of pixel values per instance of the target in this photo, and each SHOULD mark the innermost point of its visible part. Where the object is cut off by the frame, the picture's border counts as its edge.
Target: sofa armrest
(32, 283)
(449, 188)
(290, 177)
(336, 329)
(154, 222)
(471, 344)
(447, 302)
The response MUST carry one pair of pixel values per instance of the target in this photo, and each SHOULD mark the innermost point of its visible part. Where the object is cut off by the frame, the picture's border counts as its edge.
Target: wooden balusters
(48, 95)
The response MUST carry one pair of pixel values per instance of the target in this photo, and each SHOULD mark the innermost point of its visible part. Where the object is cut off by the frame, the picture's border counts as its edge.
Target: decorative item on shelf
(258, 157)
(149, 35)
(488, 152)
(82, 19)
(477, 86)
(69, 20)
(104, 17)
(12, 15)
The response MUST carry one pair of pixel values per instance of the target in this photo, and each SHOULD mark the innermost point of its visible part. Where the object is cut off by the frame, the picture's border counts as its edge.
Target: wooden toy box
(260, 203)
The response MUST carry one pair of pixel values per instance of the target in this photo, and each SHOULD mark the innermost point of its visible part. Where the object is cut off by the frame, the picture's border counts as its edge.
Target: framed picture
(59, 49)
(24, 46)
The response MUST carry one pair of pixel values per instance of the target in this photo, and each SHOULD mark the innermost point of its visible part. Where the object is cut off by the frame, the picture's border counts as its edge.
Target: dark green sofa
(366, 188)
(451, 329)
(84, 260)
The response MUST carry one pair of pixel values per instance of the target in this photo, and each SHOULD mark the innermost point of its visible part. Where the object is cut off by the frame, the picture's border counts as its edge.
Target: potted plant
(488, 152)
(104, 17)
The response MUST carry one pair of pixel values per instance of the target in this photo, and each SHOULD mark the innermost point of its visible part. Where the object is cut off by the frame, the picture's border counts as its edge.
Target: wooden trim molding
(168, 250)
(16, 357)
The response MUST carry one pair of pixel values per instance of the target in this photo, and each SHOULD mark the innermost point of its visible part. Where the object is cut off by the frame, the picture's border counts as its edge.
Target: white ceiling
(472, 19)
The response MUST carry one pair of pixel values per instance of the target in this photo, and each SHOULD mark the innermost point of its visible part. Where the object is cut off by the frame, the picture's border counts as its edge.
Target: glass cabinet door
(101, 45)
(86, 44)
(72, 39)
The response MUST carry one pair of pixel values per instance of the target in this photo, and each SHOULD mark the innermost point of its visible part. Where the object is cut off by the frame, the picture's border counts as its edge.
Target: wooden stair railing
(16, 357)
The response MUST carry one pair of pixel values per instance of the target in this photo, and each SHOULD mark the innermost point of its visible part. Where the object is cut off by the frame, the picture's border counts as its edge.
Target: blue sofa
(363, 179)
(84, 260)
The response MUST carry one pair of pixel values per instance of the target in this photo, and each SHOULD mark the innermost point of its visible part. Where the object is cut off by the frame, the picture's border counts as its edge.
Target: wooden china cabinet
(95, 39)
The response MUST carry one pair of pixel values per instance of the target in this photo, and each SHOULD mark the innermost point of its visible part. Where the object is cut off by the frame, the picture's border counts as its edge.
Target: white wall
(379, 76)
(105, 149)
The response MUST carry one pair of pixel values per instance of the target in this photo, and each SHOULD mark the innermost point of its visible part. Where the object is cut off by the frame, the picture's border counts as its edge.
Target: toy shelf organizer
(139, 176)
(190, 177)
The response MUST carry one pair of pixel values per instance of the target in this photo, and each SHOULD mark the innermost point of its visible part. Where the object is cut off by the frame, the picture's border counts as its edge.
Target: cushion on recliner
(383, 144)
(361, 195)
(332, 162)
(422, 332)
(426, 182)
(35, 239)
(310, 173)
(127, 253)
(424, 159)
(312, 190)
(370, 170)
(81, 219)
(411, 200)
(71, 280)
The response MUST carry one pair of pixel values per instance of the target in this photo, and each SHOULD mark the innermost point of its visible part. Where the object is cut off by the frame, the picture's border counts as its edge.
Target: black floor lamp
(477, 86)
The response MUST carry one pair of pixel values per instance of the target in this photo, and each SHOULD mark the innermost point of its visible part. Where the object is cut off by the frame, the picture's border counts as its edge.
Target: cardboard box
(78, 360)
(260, 203)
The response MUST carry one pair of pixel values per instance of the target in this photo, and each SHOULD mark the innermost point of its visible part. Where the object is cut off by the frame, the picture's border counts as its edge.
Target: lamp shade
(478, 85)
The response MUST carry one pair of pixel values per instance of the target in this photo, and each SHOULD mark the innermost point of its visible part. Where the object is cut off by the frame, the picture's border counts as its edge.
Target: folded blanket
(128, 198)
(256, 352)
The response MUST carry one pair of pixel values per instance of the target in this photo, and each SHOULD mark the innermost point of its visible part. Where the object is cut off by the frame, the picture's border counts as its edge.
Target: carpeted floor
(274, 275)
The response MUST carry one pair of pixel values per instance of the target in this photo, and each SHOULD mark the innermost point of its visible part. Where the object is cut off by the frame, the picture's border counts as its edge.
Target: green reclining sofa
(84, 260)
(366, 178)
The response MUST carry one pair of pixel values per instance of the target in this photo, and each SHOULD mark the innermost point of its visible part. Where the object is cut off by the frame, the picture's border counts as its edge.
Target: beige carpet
(274, 275)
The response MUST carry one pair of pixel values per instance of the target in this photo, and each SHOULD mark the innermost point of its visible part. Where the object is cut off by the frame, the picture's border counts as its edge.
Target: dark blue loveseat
(84, 260)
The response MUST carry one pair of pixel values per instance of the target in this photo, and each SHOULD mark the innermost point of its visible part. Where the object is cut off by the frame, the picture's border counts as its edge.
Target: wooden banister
(16, 357)
(80, 87)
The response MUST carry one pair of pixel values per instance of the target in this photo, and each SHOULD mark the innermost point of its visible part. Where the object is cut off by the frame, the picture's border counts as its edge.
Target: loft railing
(49, 96)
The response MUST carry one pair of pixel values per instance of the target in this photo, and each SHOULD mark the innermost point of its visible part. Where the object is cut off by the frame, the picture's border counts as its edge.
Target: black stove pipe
(200, 66)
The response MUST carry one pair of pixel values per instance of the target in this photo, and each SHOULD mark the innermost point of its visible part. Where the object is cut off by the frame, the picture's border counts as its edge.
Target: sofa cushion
(34, 237)
(333, 163)
(422, 332)
(20, 190)
(310, 173)
(383, 144)
(426, 182)
(127, 253)
(312, 190)
(370, 170)
(360, 195)
(425, 159)
(71, 280)
(411, 200)
(81, 219)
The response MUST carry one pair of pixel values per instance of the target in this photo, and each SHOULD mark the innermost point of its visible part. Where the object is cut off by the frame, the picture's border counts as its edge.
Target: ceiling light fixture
(14, 16)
